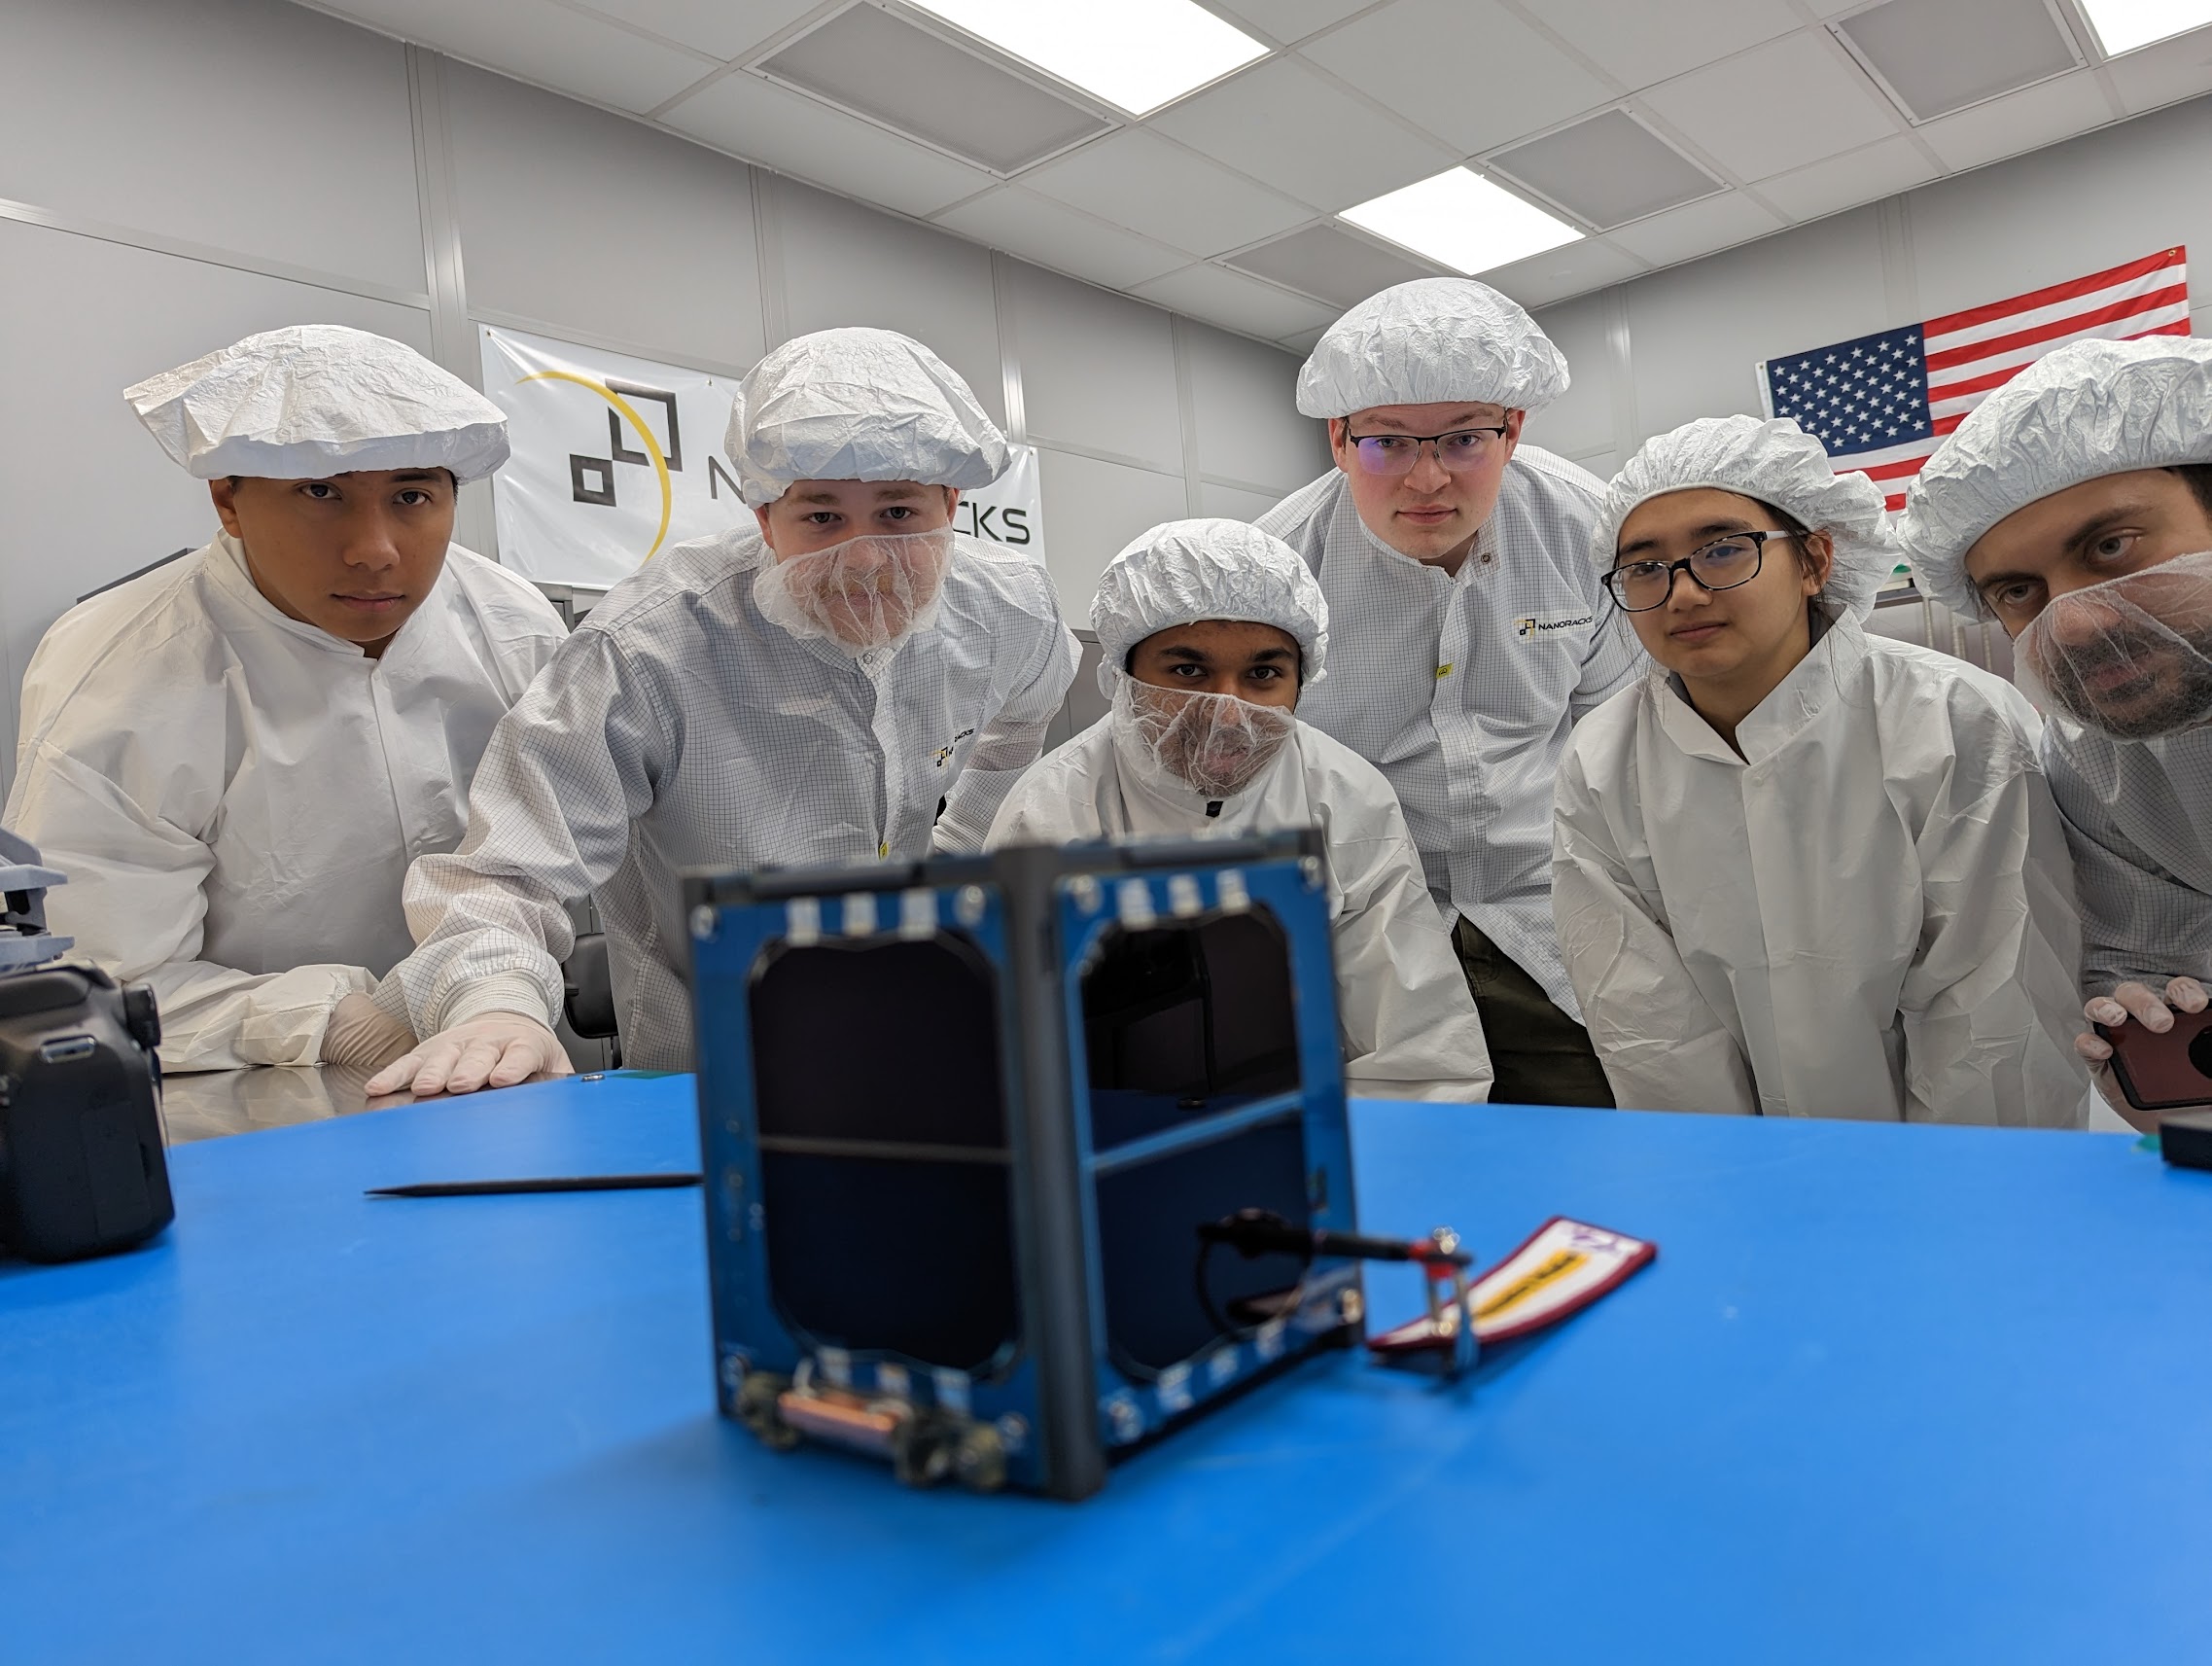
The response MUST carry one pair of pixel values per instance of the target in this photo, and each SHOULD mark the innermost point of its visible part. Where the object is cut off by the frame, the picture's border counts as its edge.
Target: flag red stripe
(1895, 501)
(2056, 292)
(1975, 384)
(1896, 471)
(2059, 327)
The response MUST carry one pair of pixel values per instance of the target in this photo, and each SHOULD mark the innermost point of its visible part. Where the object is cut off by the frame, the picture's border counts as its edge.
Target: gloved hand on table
(363, 1034)
(493, 1049)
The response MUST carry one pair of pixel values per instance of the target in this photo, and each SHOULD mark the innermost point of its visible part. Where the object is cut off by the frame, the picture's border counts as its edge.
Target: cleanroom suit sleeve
(1010, 742)
(136, 906)
(2139, 923)
(1407, 1023)
(1615, 659)
(1663, 1045)
(1991, 1003)
(567, 771)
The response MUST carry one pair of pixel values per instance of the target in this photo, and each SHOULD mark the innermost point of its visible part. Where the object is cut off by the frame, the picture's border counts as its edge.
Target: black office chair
(587, 997)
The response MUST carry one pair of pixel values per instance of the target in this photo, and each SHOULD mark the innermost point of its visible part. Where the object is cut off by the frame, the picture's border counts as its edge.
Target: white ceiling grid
(1185, 207)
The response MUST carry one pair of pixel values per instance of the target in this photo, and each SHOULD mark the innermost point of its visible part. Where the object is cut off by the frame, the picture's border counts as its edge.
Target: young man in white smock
(847, 681)
(235, 755)
(1455, 561)
(1210, 635)
(1802, 871)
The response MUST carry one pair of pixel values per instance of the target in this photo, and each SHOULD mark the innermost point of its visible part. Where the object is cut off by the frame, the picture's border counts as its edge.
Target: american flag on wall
(1883, 404)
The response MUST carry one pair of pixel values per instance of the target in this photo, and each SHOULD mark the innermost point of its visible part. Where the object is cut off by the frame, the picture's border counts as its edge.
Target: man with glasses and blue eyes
(1467, 615)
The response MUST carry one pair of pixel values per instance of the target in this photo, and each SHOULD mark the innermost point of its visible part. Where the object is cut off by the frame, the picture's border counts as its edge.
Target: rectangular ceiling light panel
(1940, 55)
(1329, 264)
(2122, 25)
(1607, 171)
(1462, 221)
(1135, 54)
(886, 69)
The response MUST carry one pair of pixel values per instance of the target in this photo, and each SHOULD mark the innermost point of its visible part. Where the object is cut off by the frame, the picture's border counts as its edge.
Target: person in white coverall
(807, 691)
(1802, 871)
(1455, 561)
(2074, 507)
(1209, 633)
(235, 757)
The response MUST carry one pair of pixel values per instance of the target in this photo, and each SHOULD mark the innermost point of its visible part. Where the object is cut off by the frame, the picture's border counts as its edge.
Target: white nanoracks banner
(616, 458)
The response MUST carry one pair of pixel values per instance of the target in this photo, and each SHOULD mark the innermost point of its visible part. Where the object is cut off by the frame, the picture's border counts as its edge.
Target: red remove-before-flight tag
(1563, 1267)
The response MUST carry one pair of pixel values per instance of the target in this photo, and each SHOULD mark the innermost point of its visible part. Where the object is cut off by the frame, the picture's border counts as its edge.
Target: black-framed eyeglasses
(1392, 454)
(1638, 587)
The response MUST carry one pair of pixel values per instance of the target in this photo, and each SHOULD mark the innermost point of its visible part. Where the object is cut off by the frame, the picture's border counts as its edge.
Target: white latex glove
(493, 1049)
(2138, 1002)
(364, 1036)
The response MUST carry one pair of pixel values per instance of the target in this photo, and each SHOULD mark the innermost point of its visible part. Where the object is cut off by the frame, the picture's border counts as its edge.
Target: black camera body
(83, 1171)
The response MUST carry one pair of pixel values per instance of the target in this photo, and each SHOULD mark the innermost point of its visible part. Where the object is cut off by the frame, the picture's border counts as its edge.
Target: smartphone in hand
(2163, 1072)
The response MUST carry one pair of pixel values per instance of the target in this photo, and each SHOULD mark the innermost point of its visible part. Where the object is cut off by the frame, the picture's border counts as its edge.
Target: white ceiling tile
(2158, 75)
(1467, 70)
(1880, 170)
(1236, 303)
(1137, 180)
(763, 123)
(1639, 43)
(1303, 340)
(2022, 120)
(1038, 228)
(542, 42)
(1776, 107)
(1697, 229)
(1288, 20)
(719, 28)
(1558, 273)
(1938, 56)
(1282, 123)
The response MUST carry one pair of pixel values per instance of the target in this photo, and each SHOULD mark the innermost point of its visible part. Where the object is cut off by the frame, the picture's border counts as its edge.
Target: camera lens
(2200, 1052)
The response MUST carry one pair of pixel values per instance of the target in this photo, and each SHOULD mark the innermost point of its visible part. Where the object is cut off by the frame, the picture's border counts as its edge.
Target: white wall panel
(1697, 331)
(2040, 219)
(1582, 417)
(1097, 369)
(245, 124)
(1091, 510)
(844, 263)
(85, 495)
(1235, 504)
(1244, 398)
(577, 218)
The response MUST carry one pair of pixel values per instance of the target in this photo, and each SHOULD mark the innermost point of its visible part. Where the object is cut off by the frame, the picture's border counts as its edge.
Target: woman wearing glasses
(1800, 871)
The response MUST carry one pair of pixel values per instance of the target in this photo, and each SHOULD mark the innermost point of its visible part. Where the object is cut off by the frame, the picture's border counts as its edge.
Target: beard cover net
(1213, 745)
(2132, 657)
(866, 594)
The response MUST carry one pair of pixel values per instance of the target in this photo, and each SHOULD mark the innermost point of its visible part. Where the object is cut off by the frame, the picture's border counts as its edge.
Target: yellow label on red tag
(1496, 1305)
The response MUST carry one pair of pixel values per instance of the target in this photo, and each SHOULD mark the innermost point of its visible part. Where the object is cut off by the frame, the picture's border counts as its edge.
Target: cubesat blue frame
(1079, 1208)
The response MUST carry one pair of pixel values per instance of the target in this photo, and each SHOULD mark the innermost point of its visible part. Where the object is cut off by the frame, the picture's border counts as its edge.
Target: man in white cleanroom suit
(2073, 506)
(235, 757)
(1802, 871)
(807, 693)
(1209, 633)
(1457, 565)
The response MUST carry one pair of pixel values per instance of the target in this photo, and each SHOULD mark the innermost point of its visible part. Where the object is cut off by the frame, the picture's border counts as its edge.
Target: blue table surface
(1887, 1395)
